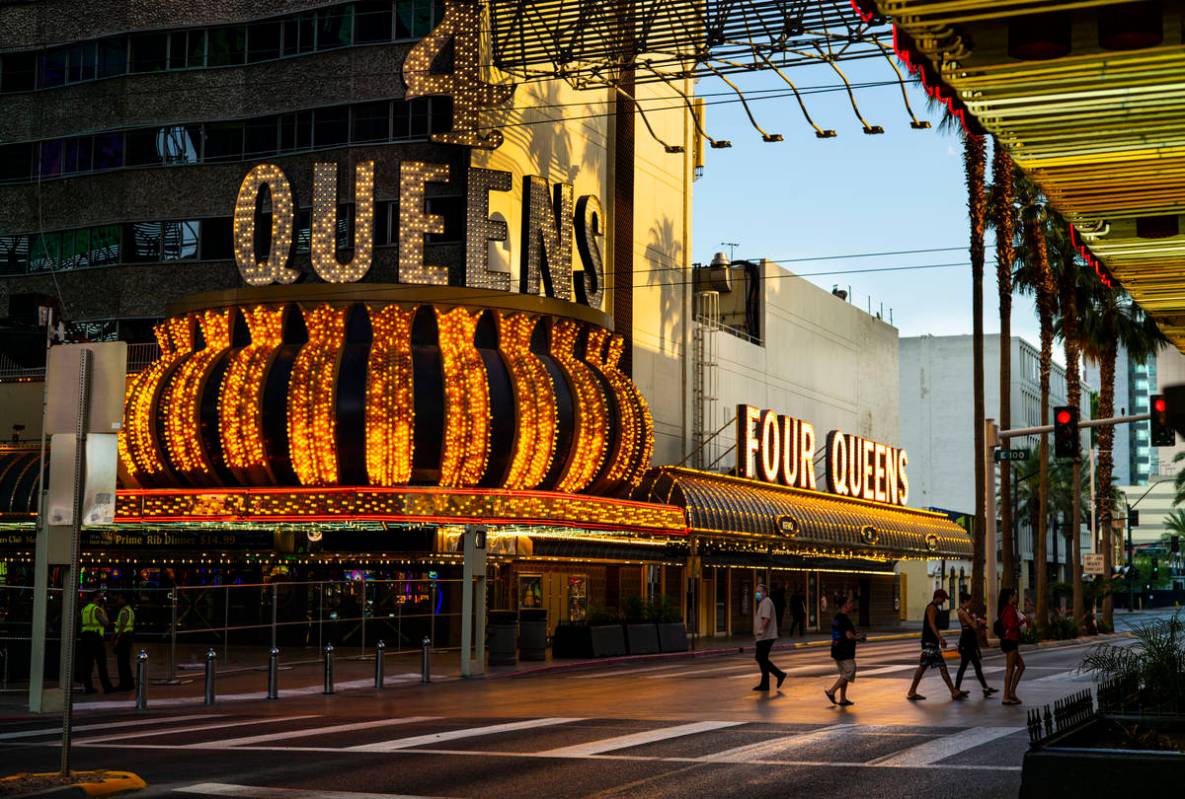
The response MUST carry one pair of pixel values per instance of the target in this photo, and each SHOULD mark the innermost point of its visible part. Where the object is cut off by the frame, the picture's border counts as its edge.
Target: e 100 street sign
(1011, 455)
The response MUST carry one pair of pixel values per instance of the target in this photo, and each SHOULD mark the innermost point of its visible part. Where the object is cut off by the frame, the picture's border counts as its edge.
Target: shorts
(932, 656)
(846, 669)
(1008, 645)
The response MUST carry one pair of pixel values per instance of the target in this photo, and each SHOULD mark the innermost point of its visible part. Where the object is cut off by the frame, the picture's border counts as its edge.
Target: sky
(807, 198)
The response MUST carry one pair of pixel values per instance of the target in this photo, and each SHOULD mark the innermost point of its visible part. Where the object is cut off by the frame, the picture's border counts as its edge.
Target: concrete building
(936, 426)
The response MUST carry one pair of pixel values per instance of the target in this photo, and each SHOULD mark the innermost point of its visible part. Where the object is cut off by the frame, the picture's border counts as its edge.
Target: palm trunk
(1002, 219)
(1104, 510)
(973, 163)
(1035, 231)
(1067, 279)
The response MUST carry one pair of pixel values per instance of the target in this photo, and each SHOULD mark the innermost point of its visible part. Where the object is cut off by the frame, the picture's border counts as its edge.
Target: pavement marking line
(11, 736)
(762, 750)
(944, 747)
(192, 728)
(268, 792)
(625, 672)
(307, 732)
(884, 669)
(454, 735)
(821, 668)
(637, 739)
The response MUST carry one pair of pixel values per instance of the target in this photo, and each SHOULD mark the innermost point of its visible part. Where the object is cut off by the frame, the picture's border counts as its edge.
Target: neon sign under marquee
(781, 449)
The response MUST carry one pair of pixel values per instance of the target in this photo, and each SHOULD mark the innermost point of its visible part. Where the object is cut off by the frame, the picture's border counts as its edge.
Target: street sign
(1011, 455)
(1092, 563)
(109, 373)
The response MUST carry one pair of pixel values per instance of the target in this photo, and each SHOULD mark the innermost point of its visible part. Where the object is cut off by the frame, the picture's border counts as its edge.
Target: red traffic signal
(1162, 431)
(1065, 432)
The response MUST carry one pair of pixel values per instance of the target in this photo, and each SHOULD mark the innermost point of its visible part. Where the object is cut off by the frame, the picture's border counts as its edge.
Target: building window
(371, 122)
(373, 22)
(16, 161)
(150, 52)
(18, 72)
(331, 126)
(179, 240)
(227, 46)
(263, 41)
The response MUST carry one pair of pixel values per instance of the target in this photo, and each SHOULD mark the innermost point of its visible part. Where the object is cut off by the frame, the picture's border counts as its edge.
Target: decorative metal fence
(1069, 713)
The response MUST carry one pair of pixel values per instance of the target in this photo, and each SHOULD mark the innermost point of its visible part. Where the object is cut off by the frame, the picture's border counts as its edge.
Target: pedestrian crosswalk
(703, 741)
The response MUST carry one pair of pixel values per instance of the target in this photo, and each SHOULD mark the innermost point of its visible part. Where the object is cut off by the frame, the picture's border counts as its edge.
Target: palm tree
(974, 161)
(1179, 481)
(1074, 282)
(1003, 220)
(1113, 321)
(1175, 522)
(1036, 276)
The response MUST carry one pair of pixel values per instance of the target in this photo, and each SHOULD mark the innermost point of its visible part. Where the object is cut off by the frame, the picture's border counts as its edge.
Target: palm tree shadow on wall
(550, 144)
(664, 270)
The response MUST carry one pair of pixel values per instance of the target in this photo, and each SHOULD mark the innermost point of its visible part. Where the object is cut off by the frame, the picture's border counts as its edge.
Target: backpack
(998, 628)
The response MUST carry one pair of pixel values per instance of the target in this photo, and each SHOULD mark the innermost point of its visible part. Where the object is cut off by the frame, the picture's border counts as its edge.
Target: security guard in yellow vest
(125, 628)
(91, 651)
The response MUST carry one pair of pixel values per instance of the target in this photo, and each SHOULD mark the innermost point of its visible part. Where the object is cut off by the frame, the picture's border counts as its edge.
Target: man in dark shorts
(843, 651)
(932, 645)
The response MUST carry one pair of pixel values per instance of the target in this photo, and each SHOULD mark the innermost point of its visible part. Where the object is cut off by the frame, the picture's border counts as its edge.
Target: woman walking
(1008, 624)
(969, 644)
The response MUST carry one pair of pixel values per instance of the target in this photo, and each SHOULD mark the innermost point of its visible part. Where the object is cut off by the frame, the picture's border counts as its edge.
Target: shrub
(1062, 627)
(1155, 663)
(599, 616)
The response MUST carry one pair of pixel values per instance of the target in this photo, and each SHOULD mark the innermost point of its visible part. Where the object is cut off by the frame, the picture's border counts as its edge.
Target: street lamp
(1131, 605)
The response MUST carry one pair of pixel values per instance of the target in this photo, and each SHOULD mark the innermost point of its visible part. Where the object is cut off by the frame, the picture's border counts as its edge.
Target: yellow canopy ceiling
(1100, 129)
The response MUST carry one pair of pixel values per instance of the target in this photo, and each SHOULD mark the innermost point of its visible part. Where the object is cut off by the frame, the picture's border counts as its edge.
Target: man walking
(125, 628)
(798, 613)
(932, 645)
(843, 651)
(91, 649)
(765, 630)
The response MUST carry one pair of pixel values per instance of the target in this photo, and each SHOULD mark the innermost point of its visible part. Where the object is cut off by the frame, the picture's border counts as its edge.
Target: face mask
(758, 595)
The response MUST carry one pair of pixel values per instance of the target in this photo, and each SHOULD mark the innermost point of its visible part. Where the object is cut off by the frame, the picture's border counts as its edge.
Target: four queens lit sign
(780, 449)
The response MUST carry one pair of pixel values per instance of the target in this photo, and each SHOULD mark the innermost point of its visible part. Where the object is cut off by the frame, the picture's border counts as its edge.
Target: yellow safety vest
(125, 622)
(90, 619)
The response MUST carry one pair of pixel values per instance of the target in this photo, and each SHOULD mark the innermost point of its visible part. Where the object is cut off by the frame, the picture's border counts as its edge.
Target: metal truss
(593, 42)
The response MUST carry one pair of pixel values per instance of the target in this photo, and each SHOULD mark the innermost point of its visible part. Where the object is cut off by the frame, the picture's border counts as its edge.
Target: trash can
(501, 630)
(532, 626)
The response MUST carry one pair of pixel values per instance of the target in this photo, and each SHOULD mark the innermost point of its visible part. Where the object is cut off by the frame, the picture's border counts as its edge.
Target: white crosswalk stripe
(944, 747)
(769, 749)
(453, 735)
(113, 725)
(221, 725)
(269, 792)
(637, 739)
(252, 740)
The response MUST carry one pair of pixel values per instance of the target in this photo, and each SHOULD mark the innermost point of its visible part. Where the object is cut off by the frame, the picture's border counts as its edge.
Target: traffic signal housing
(1162, 431)
(1065, 432)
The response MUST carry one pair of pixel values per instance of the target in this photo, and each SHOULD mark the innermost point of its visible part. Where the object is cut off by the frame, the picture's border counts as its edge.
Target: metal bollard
(211, 661)
(328, 669)
(273, 676)
(142, 680)
(425, 660)
(379, 651)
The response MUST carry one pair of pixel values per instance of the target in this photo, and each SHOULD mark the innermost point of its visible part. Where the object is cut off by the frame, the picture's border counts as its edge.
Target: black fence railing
(1068, 713)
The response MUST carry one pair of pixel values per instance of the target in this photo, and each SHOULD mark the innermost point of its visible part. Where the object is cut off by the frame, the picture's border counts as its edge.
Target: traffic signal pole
(1048, 428)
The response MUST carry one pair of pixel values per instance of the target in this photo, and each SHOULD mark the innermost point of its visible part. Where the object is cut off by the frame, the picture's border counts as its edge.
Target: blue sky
(807, 198)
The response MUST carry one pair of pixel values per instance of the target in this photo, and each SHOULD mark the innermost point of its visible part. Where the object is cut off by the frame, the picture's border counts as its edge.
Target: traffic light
(1065, 432)
(1155, 570)
(1162, 431)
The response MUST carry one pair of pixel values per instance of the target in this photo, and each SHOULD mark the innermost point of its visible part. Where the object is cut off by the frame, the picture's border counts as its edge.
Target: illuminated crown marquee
(396, 385)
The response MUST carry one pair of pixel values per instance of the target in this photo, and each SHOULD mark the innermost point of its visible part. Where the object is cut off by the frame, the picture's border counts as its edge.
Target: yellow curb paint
(93, 783)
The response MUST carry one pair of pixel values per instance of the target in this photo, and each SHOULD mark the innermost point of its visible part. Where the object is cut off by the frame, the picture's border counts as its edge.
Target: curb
(101, 783)
(691, 655)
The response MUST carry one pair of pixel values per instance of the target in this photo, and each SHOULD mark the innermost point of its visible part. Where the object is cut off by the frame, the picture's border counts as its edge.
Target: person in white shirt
(765, 630)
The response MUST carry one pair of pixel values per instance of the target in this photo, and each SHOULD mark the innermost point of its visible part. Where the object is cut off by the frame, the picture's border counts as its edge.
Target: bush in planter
(599, 635)
(1156, 664)
(1062, 627)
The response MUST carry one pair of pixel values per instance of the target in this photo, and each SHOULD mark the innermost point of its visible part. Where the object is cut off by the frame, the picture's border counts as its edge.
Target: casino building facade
(378, 293)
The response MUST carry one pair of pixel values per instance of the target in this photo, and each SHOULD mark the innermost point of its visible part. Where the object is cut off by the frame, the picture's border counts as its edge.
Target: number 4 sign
(470, 92)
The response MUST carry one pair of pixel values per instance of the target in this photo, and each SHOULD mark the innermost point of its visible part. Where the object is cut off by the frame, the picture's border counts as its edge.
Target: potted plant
(641, 633)
(672, 634)
(599, 635)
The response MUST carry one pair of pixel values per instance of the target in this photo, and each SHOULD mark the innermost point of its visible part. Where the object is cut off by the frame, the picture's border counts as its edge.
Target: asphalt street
(687, 727)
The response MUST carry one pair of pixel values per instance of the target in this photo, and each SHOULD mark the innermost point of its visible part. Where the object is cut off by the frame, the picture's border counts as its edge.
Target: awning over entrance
(802, 522)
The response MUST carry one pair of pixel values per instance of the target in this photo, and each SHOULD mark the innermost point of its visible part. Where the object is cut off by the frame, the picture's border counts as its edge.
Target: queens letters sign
(781, 449)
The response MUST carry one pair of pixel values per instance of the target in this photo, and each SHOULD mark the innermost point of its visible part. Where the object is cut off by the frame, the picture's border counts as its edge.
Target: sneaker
(830, 696)
(989, 691)
(914, 697)
(781, 679)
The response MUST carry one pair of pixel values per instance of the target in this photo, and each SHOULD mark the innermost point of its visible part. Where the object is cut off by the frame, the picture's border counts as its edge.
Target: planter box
(501, 632)
(572, 641)
(1070, 766)
(608, 640)
(642, 638)
(672, 637)
(532, 630)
